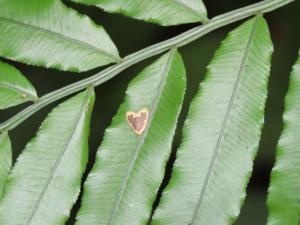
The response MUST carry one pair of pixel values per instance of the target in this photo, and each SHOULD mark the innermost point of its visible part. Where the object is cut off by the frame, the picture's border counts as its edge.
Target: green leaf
(47, 33)
(284, 191)
(14, 87)
(45, 181)
(166, 12)
(221, 133)
(129, 168)
(5, 159)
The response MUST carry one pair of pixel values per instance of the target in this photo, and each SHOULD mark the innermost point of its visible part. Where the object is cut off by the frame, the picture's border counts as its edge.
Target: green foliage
(5, 159)
(166, 12)
(284, 195)
(129, 168)
(45, 181)
(47, 33)
(14, 87)
(221, 133)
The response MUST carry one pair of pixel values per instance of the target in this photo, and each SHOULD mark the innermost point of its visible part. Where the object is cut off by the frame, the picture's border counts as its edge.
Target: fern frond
(5, 159)
(221, 133)
(45, 181)
(47, 33)
(129, 167)
(166, 12)
(284, 190)
(14, 87)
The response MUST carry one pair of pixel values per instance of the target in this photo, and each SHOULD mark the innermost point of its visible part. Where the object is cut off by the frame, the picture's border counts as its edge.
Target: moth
(138, 120)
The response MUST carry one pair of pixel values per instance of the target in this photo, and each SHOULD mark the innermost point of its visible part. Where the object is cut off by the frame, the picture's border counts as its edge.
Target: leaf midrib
(60, 156)
(141, 140)
(61, 36)
(225, 121)
(18, 89)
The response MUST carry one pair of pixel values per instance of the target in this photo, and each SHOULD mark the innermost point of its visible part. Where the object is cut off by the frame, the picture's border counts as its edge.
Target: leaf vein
(141, 140)
(225, 122)
(61, 154)
(19, 90)
(64, 37)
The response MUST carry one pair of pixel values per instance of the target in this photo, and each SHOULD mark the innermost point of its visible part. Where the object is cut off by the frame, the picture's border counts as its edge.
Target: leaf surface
(45, 181)
(166, 12)
(221, 133)
(284, 195)
(14, 87)
(129, 168)
(47, 33)
(5, 159)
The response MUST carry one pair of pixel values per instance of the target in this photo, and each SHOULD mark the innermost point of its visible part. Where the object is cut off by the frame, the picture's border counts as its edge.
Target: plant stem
(177, 41)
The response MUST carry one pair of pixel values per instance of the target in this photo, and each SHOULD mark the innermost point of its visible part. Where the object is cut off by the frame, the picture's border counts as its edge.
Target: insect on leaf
(130, 163)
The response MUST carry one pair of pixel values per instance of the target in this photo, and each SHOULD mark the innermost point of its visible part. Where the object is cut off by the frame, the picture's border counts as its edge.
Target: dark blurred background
(131, 35)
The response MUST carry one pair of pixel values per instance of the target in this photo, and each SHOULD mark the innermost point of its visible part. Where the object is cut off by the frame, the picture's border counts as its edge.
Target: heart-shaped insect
(138, 120)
